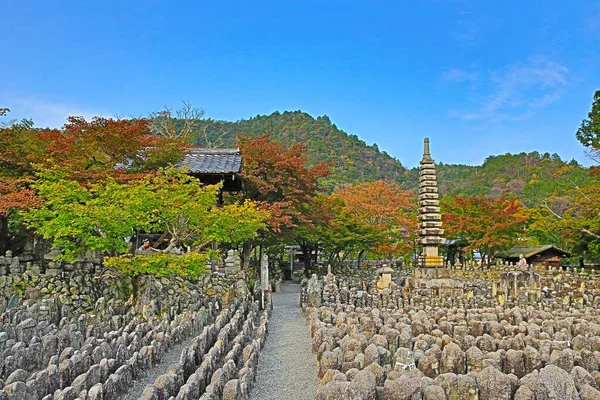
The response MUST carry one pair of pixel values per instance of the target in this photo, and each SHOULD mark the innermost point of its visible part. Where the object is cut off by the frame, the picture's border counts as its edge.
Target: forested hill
(531, 177)
(354, 160)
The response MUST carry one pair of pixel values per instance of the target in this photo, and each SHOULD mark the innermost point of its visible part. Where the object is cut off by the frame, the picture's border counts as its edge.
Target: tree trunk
(331, 258)
(359, 257)
(246, 253)
(3, 234)
(306, 255)
(142, 285)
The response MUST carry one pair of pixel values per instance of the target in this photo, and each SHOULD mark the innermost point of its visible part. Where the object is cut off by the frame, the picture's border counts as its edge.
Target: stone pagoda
(430, 219)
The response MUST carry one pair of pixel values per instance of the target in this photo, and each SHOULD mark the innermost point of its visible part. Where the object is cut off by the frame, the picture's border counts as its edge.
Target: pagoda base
(431, 261)
(432, 273)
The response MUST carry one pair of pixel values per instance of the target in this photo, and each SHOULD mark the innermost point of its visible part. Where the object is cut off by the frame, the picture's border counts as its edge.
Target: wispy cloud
(459, 75)
(466, 31)
(44, 113)
(517, 90)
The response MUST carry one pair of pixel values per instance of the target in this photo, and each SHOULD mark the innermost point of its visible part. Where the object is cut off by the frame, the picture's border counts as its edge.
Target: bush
(189, 266)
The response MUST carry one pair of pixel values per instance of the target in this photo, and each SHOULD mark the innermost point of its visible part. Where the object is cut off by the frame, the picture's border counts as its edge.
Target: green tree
(99, 216)
(589, 131)
(346, 234)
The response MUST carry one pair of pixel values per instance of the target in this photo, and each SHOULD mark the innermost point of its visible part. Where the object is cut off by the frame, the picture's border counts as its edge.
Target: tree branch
(552, 211)
(584, 230)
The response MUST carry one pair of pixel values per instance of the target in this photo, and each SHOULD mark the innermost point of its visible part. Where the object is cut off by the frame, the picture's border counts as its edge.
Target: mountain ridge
(531, 177)
(354, 160)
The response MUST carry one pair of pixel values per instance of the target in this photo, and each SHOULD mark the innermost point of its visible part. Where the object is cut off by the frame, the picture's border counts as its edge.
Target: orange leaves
(381, 204)
(85, 150)
(511, 206)
(18, 200)
(279, 179)
(14, 194)
(385, 207)
(484, 222)
(98, 145)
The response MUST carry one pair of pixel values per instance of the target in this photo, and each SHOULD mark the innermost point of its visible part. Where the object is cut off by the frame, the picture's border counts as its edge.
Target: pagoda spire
(426, 154)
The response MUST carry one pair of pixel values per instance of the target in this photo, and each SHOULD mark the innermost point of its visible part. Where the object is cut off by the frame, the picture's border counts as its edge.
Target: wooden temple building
(543, 255)
(212, 166)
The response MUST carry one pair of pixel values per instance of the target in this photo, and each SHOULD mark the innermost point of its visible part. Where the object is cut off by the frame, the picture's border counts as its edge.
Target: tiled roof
(529, 251)
(213, 161)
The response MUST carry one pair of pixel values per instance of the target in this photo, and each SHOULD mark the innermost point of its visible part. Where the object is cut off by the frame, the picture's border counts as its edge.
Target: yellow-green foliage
(78, 217)
(190, 266)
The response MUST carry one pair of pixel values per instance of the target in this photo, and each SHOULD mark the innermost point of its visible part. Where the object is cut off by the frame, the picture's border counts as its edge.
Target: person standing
(144, 248)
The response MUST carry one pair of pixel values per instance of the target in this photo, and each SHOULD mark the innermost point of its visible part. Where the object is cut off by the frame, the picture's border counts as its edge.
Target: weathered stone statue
(385, 277)
(313, 288)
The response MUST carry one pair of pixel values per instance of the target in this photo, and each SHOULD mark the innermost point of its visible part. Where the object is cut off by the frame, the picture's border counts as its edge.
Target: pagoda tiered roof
(430, 218)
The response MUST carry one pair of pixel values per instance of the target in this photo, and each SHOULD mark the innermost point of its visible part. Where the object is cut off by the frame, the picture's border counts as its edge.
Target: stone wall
(76, 334)
(366, 272)
(503, 285)
(61, 288)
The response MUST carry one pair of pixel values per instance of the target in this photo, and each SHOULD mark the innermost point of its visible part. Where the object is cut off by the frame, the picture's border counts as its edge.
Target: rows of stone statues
(505, 332)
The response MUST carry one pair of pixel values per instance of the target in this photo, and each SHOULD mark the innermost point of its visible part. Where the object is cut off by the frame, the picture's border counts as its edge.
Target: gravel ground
(287, 369)
(169, 358)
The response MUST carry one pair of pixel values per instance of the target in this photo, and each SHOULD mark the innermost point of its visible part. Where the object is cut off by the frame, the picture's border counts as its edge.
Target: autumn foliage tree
(488, 225)
(385, 207)
(84, 150)
(94, 148)
(16, 174)
(280, 181)
(345, 234)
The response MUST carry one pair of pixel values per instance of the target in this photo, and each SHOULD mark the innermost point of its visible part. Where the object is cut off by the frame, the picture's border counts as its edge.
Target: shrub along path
(287, 369)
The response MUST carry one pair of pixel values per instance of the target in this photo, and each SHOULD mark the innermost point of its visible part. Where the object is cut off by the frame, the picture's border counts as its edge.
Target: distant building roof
(212, 161)
(458, 241)
(530, 251)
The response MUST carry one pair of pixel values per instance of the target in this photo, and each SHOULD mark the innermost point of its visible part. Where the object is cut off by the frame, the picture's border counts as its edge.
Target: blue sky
(477, 77)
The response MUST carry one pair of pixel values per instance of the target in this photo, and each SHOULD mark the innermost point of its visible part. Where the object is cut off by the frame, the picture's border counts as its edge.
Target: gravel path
(287, 369)
(136, 389)
(171, 357)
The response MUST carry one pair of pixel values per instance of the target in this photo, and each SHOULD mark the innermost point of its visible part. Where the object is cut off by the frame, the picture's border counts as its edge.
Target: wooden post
(292, 253)
(213, 263)
(264, 278)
